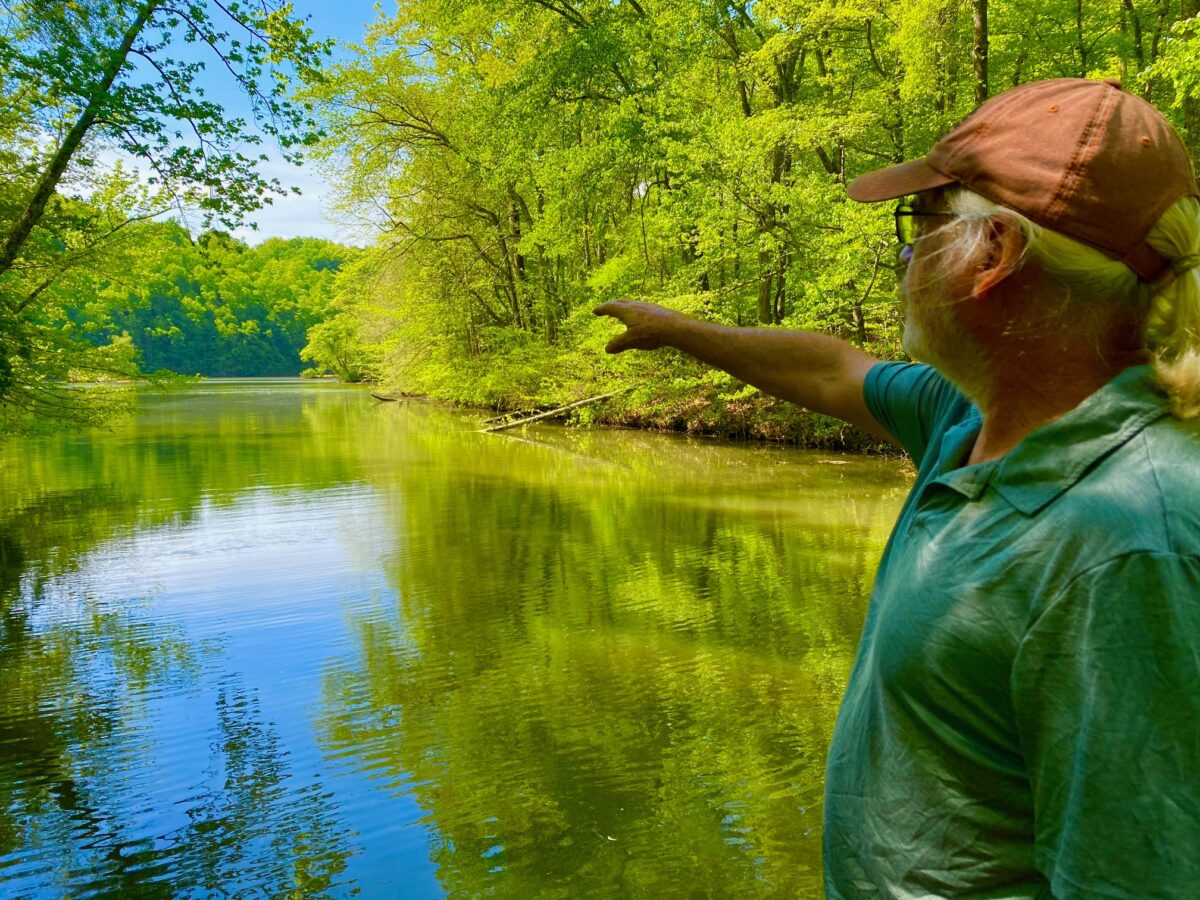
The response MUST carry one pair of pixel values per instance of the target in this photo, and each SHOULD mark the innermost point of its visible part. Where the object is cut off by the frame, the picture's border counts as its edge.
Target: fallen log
(551, 413)
(500, 418)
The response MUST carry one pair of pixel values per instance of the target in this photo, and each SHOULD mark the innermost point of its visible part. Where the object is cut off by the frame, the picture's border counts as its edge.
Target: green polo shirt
(1023, 718)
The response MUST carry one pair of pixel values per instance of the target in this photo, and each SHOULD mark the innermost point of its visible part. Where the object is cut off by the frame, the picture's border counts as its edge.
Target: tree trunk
(511, 288)
(691, 255)
(860, 322)
(766, 294)
(549, 414)
(768, 262)
(514, 223)
(587, 240)
(979, 49)
(1080, 45)
(36, 207)
(781, 287)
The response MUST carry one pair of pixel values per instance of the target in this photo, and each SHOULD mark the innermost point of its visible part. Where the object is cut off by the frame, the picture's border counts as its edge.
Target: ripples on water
(274, 638)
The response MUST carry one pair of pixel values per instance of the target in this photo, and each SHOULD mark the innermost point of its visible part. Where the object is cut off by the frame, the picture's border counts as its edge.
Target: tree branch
(36, 207)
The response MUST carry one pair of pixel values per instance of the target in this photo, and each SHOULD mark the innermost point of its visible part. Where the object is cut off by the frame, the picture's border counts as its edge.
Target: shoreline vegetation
(755, 418)
(746, 415)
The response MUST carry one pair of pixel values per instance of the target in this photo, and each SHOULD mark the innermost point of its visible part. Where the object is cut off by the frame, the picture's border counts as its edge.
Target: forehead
(931, 199)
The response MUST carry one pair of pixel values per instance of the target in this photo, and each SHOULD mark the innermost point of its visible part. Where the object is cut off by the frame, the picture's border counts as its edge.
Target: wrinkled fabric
(1023, 717)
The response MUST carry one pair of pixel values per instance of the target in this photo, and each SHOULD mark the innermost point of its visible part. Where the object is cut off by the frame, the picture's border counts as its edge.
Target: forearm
(812, 370)
(802, 367)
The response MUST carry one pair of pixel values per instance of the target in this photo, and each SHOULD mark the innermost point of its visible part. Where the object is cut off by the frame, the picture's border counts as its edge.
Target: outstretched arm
(812, 370)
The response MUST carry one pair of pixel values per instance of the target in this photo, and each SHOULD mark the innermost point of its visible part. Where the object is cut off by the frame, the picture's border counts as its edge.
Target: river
(275, 638)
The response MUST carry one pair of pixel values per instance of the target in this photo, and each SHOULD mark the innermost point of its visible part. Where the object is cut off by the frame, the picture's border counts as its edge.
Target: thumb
(619, 344)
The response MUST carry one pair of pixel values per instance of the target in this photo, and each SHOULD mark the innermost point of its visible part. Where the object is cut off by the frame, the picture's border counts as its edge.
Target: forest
(518, 162)
(526, 159)
(214, 306)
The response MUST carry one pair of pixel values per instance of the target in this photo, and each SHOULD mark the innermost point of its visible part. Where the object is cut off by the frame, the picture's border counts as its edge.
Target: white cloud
(308, 214)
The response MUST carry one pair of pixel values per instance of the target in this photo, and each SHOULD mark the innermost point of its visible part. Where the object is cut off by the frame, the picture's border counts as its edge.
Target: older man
(1023, 719)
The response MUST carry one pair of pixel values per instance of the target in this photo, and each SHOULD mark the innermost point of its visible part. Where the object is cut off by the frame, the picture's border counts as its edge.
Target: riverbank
(745, 414)
(662, 391)
(755, 416)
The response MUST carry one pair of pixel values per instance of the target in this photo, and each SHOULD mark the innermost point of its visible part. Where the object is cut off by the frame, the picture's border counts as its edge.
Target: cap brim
(897, 181)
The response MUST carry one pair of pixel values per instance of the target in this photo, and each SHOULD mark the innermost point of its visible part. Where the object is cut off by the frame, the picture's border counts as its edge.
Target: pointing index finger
(608, 308)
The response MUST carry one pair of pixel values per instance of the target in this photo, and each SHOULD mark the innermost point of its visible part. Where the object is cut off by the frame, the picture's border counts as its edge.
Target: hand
(648, 325)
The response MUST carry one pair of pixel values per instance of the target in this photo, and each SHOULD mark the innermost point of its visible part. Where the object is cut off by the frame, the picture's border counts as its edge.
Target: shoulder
(1171, 450)
(912, 382)
(1132, 512)
(915, 403)
(1149, 490)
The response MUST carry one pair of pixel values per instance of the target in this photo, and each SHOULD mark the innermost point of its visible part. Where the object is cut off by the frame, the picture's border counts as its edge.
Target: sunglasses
(906, 226)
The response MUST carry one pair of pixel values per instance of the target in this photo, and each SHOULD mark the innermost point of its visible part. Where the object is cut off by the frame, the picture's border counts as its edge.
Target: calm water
(274, 638)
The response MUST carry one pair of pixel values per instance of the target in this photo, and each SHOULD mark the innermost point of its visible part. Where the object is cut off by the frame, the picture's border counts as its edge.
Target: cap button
(1113, 82)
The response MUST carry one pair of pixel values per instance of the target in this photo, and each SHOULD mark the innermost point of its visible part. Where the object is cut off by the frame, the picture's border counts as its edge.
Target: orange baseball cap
(1080, 157)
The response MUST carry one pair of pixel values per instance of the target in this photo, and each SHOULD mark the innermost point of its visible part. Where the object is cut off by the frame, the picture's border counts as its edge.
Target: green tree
(524, 160)
(95, 75)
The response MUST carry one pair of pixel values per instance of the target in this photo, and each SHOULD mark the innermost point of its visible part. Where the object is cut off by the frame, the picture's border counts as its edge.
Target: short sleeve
(1106, 690)
(912, 402)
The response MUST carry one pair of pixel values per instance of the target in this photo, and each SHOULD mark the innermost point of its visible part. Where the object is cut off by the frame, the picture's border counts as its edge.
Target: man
(1023, 718)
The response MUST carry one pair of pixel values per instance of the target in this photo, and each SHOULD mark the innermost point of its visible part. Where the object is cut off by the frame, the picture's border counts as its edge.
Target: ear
(1005, 249)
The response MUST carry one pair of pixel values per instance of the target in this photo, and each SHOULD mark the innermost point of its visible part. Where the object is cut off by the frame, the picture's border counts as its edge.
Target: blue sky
(307, 215)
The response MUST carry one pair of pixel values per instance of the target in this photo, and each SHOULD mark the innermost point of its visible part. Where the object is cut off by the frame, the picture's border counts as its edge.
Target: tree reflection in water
(570, 664)
(615, 684)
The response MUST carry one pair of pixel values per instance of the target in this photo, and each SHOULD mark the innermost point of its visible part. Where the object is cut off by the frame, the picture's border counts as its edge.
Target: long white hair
(1171, 307)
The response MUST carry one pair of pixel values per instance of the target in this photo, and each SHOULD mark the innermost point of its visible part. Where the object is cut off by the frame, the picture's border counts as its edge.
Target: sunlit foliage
(90, 81)
(523, 160)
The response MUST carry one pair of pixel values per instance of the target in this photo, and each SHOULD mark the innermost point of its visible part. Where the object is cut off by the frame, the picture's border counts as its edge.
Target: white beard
(934, 338)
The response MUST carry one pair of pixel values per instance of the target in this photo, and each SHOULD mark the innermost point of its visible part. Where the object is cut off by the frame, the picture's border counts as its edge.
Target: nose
(906, 254)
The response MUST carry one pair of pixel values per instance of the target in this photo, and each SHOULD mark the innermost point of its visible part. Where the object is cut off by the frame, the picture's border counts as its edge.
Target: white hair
(1170, 309)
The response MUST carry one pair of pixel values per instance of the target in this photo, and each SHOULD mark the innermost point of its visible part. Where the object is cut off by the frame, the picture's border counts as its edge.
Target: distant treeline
(215, 306)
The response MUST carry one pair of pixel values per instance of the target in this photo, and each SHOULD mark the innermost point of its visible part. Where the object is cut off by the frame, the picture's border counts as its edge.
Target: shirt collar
(1054, 457)
(956, 448)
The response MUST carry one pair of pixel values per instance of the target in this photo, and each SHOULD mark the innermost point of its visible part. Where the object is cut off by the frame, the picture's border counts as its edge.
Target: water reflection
(275, 639)
(131, 762)
(613, 661)
(83, 684)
